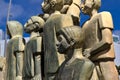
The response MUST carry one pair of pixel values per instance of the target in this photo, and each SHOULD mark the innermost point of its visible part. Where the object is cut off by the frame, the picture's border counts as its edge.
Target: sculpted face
(35, 23)
(62, 44)
(14, 28)
(86, 6)
(49, 6)
(30, 26)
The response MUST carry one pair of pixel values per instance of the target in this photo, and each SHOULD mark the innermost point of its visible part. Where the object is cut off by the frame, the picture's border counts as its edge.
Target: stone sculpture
(98, 39)
(75, 66)
(33, 49)
(85, 54)
(15, 48)
(55, 21)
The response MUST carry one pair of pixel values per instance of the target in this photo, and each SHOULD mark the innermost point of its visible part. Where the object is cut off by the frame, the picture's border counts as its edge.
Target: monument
(59, 49)
(15, 49)
(33, 49)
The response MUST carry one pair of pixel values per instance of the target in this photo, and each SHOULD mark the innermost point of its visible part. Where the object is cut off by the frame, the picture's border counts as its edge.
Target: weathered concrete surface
(2, 67)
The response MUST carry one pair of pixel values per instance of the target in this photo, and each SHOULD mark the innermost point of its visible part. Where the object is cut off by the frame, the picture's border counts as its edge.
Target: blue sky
(21, 10)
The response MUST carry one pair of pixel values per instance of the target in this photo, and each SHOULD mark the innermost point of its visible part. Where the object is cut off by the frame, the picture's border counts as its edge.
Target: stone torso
(33, 46)
(13, 46)
(73, 70)
(93, 35)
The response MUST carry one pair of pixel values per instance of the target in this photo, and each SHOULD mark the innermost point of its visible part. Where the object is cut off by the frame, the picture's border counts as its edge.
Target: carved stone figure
(15, 48)
(72, 7)
(33, 49)
(55, 21)
(75, 66)
(98, 40)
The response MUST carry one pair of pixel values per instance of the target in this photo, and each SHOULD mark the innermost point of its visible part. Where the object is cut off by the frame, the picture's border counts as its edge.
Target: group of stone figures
(58, 48)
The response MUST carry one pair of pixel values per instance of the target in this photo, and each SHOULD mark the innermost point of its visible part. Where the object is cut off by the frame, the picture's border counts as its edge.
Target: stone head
(49, 6)
(14, 28)
(35, 23)
(88, 5)
(69, 37)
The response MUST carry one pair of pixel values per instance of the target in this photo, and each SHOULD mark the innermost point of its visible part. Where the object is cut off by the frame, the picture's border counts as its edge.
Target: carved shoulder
(105, 20)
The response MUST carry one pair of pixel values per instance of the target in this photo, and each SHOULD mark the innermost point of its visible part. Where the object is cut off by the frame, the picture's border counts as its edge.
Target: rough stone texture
(53, 24)
(2, 68)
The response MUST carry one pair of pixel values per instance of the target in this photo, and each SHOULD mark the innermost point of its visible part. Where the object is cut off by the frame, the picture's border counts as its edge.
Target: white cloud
(16, 10)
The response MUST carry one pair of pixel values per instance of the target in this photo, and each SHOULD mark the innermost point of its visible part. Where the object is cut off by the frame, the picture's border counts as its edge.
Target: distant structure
(116, 40)
(2, 37)
(2, 46)
(2, 34)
